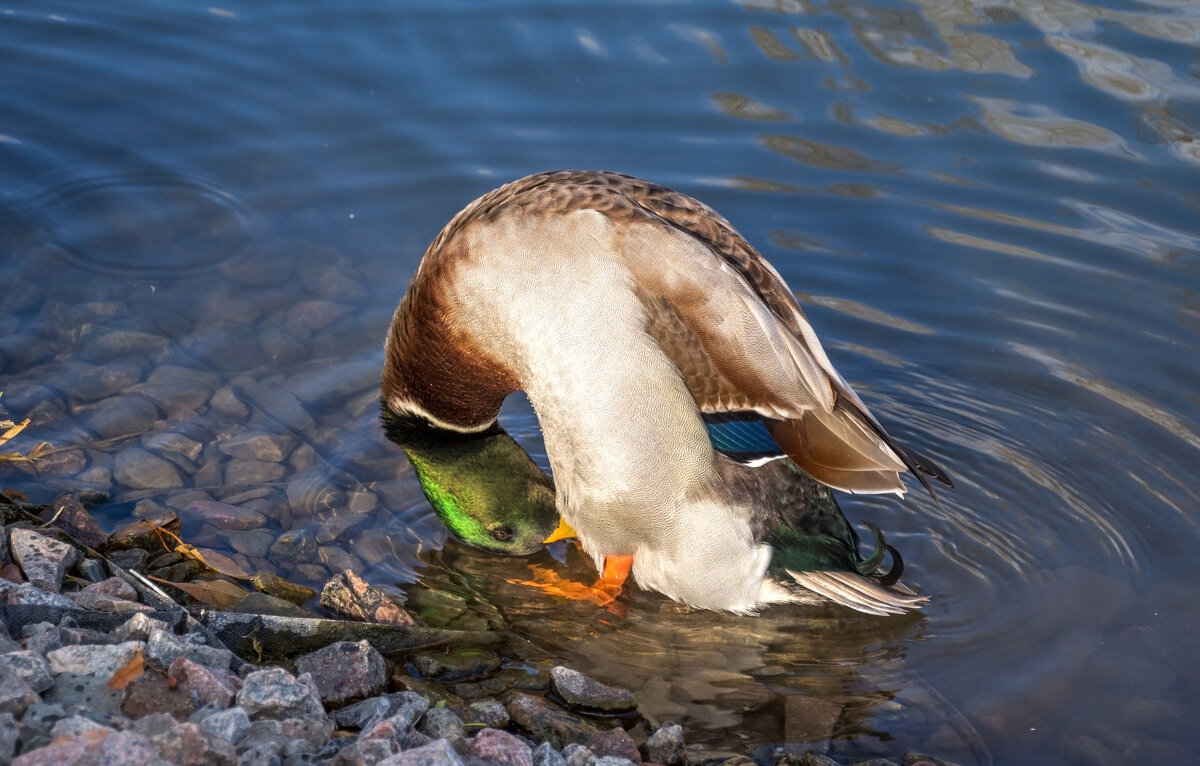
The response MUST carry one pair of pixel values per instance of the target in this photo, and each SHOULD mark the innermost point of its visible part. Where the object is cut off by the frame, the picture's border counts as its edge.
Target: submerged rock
(586, 695)
(137, 468)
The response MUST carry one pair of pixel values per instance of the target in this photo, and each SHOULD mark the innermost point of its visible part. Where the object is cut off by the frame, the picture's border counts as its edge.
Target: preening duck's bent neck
(434, 371)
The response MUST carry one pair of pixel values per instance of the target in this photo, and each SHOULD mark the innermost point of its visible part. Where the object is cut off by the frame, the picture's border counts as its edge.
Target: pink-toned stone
(501, 747)
(208, 684)
(351, 596)
(615, 742)
(225, 516)
(73, 752)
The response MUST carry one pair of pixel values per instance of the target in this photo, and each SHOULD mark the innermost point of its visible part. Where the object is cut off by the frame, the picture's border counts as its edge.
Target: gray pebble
(138, 628)
(10, 732)
(665, 746)
(259, 445)
(164, 647)
(247, 472)
(31, 667)
(578, 755)
(230, 725)
(121, 416)
(276, 693)
(545, 755)
(140, 469)
(43, 559)
(436, 753)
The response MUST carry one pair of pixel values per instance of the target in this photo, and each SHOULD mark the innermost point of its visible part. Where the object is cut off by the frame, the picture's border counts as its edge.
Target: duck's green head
(484, 487)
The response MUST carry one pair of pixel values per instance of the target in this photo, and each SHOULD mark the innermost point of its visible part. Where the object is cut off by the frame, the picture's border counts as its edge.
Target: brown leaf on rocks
(214, 560)
(129, 671)
(218, 593)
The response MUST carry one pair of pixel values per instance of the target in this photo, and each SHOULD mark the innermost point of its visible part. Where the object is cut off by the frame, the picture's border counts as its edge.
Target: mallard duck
(684, 398)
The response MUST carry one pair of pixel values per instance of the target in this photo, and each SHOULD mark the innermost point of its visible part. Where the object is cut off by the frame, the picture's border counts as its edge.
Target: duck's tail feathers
(847, 449)
(858, 592)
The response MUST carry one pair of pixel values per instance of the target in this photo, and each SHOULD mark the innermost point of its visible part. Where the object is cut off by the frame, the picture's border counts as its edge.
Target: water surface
(989, 210)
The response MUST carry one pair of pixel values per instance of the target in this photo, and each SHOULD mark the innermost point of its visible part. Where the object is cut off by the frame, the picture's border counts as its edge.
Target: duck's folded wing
(734, 330)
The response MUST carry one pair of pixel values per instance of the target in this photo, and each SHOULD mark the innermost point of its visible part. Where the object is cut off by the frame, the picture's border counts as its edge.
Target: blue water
(989, 210)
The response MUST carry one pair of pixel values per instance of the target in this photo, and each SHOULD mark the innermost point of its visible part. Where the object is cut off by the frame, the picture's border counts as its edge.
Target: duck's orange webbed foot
(603, 593)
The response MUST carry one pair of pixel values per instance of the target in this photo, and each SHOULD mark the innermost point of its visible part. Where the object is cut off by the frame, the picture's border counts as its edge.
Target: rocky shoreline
(97, 665)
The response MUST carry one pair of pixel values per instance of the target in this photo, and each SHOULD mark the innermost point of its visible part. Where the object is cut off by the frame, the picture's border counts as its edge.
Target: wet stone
(225, 402)
(102, 346)
(614, 742)
(72, 517)
(340, 524)
(85, 382)
(488, 712)
(501, 747)
(43, 559)
(141, 535)
(121, 416)
(167, 441)
(31, 667)
(262, 603)
(295, 545)
(259, 445)
(62, 463)
(139, 469)
(442, 723)
(178, 398)
(547, 722)
(338, 559)
(665, 746)
(349, 595)
(225, 516)
(275, 693)
(345, 671)
(275, 585)
(582, 693)
(455, 665)
(245, 472)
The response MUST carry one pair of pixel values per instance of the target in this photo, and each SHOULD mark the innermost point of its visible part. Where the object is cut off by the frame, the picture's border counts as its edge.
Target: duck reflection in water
(693, 423)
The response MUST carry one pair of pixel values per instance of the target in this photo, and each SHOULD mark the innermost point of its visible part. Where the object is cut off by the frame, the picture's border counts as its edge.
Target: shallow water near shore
(988, 209)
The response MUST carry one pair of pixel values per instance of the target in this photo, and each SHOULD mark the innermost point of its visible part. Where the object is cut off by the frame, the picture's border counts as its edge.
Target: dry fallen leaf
(129, 671)
(219, 593)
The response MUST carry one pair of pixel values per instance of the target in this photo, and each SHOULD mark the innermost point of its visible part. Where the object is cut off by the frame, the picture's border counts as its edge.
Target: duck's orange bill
(561, 533)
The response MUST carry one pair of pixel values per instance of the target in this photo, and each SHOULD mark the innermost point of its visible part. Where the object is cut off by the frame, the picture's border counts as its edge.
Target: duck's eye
(503, 534)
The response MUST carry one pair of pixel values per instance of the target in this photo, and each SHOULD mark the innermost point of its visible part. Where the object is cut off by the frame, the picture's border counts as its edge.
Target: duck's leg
(602, 593)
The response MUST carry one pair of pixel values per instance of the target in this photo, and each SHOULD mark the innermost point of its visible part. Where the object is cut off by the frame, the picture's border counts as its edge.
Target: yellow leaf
(13, 429)
(219, 593)
(129, 671)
